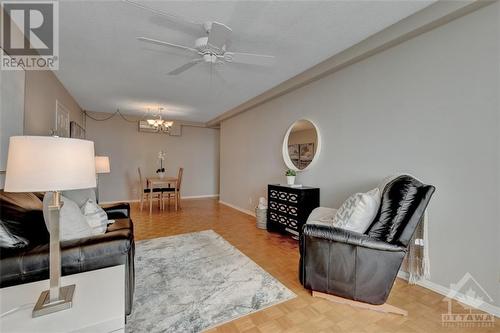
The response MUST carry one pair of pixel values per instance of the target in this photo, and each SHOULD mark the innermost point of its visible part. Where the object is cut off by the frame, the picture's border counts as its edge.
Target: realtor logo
(30, 35)
(470, 295)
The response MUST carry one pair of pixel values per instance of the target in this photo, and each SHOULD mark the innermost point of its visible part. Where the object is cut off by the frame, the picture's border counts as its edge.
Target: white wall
(429, 106)
(197, 151)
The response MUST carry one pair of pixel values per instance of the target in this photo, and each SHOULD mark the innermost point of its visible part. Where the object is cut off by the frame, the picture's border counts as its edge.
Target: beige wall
(197, 151)
(429, 106)
(42, 90)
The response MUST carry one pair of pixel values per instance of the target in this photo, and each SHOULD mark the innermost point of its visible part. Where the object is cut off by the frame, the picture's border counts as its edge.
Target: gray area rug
(195, 281)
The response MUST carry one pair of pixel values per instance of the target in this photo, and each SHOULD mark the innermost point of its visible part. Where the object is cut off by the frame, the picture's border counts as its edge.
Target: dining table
(159, 182)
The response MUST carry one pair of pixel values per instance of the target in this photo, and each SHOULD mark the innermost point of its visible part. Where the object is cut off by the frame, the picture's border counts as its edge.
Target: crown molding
(427, 19)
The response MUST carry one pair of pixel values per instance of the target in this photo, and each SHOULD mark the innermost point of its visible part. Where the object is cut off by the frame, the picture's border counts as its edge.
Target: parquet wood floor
(278, 255)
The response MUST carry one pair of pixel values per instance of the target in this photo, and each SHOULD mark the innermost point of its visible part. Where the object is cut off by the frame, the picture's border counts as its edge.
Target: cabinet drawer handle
(292, 210)
(283, 195)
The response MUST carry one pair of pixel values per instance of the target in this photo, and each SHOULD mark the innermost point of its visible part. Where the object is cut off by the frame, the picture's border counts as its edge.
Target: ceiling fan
(210, 48)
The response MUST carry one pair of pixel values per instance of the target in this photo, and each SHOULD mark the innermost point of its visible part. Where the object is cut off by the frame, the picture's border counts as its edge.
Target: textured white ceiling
(104, 67)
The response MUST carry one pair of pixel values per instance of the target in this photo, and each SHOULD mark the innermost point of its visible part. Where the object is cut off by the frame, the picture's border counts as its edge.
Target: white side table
(98, 304)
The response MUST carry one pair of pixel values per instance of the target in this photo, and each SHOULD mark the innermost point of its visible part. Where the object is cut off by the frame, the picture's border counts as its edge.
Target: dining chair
(175, 191)
(146, 191)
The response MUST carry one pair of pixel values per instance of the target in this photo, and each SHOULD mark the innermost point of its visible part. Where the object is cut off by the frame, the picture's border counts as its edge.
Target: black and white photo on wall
(301, 154)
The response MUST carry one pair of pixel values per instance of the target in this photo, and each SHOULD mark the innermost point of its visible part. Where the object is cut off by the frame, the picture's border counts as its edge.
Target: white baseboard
(183, 198)
(118, 201)
(403, 275)
(488, 308)
(200, 196)
(246, 211)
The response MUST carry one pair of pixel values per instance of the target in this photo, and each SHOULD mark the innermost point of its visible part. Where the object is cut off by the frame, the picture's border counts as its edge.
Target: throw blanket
(417, 258)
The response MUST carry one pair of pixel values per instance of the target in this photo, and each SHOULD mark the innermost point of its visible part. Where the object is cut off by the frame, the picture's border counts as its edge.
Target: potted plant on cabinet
(290, 177)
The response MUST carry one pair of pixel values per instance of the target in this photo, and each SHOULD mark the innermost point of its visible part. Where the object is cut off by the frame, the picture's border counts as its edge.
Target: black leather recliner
(363, 267)
(31, 263)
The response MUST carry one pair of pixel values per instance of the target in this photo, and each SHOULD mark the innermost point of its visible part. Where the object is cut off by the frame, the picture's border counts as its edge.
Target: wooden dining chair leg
(142, 201)
(150, 195)
(175, 199)
(179, 199)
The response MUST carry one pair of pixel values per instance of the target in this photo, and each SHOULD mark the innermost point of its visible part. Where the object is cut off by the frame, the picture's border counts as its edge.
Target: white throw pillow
(322, 216)
(80, 197)
(96, 217)
(358, 211)
(72, 223)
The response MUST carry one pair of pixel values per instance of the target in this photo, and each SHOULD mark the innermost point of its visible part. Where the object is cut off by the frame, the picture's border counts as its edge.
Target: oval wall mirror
(301, 145)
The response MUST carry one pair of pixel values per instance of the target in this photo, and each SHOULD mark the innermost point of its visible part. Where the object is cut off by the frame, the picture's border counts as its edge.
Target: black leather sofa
(31, 263)
(363, 267)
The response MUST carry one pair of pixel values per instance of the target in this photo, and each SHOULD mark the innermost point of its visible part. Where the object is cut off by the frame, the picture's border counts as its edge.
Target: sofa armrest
(117, 211)
(348, 264)
(348, 237)
(116, 240)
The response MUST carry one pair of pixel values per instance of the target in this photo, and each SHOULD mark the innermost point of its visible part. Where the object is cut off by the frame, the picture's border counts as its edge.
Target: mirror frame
(284, 150)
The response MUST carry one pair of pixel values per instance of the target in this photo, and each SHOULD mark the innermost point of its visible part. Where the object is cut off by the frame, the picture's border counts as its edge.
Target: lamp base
(44, 306)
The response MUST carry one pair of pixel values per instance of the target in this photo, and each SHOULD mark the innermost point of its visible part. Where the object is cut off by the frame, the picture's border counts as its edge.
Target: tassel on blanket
(418, 254)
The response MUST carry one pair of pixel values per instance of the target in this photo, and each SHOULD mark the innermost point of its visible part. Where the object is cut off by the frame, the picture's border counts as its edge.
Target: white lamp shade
(44, 163)
(102, 164)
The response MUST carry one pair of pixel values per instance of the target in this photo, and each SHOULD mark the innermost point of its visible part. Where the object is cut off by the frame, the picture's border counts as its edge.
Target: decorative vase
(161, 174)
(290, 180)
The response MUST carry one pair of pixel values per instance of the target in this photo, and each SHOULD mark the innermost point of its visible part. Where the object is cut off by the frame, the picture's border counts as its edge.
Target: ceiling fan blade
(218, 35)
(185, 67)
(163, 43)
(249, 58)
(169, 16)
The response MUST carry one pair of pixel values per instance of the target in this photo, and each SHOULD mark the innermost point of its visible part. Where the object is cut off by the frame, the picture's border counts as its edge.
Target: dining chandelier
(158, 122)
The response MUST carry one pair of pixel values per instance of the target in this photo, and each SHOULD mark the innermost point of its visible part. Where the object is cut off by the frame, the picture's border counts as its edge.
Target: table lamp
(101, 166)
(50, 164)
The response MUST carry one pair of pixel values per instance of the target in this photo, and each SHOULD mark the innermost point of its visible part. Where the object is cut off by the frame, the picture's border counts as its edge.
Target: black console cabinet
(289, 207)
